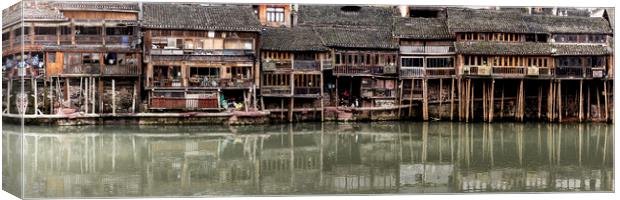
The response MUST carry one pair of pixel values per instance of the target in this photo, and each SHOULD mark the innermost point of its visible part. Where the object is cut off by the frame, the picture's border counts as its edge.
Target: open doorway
(349, 91)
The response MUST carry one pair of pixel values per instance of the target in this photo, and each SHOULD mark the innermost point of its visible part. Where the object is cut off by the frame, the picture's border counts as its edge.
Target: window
(45, 30)
(51, 57)
(412, 62)
(275, 14)
(439, 62)
(202, 72)
(119, 31)
(72, 59)
(65, 30)
(90, 58)
(18, 32)
(424, 13)
(5, 36)
(110, 59)
(87, 30)
(240, 72)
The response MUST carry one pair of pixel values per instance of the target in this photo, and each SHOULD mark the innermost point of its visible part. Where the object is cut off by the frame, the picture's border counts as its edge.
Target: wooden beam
(501, 103)
(484, 101)
(400, 99)
(113, 97)
(580, 100)
(411, 96)
(424, 100)
(560, 101)
(452, 99)
(290, 110)
(606, 100)
(440, 96)
(588, 103)
(539, 101)
(492, 101)
(598, 101)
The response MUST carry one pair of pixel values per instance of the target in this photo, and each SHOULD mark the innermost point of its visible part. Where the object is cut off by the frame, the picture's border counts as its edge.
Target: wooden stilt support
(472, 89)
(93, 100)
(484, 101)
(440, 96)
(452, 99)
(245, 101)
(424, 100)
(539, 101)
(36, 97)
(550, 100)
(113, 97)
(133, 97)
(460, 92)
(411, 97)
(588, 103)
(101, 87)
(68, 90)
(580, 100)
(492, 101)
(606, 100)
(86, 94)
(400, 99)
(598, 102)
(501, 103)
(467, 99)
(560, 101)
(290, 110)
(51, 96)
(521, 101)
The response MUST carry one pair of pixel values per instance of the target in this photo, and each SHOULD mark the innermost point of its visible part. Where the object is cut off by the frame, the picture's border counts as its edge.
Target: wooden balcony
(518, 71)
(81, 70)
(120, 40)
(420, 72)
(276, 90)
(273, 65)
(364, 70)
(580, 72)
(378, 93)
(184, 103)
(540, 71)
(121, 70)
(327, 64)
(65, 39)
(202, 52)
(236, 83)
(426, 49)
(308, 91)
(89, 39)
(45, 39)
(307, 65)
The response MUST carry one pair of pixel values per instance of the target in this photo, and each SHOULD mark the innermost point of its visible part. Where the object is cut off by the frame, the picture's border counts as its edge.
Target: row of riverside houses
(293, 62)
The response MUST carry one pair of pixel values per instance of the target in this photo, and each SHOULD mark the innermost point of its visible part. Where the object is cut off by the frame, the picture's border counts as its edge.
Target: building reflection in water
(310, 158)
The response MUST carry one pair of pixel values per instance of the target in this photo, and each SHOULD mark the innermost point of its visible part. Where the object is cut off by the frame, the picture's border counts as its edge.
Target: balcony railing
(327, 64)
(184, 103)
(88, 39)
(307, 91)
(272, 65)
(540, 71)
(426, 49)
(200, 52)
(419, 72)
(123, 70)
(81, 69)
(378, 92)
(166, 82)
(276, 90)
(509, 71)
(580, 72)
(364, 70)
(65, 39)
(309, 65)
(123, 40)
(236, 83)
(45, 39)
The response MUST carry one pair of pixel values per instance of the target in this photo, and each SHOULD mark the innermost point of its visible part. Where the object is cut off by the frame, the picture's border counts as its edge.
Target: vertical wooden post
(452, 100)
(521, 100)
(424, 100)
(36, 98)
(322, 95)
(467, 99)
(492, 101)
(113, 97)
(93, 100)
(68, 91)
(588, 103)
(282, 109)
(86, 94)
(460, 92)
(290, 110)
(484, 101)
(400, 99)
(606, 101)
(472, 89)
(560, 101)
(580, 100)
(440, 96)
(598, 102)
(133, 98)
(539, 101)
(51, 96)
(411, 96)
(501, 103)
(245, 101)
(550, 100)
(101, 87)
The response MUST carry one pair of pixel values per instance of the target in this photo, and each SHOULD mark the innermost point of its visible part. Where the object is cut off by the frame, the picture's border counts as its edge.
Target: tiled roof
(470, 20)
(422, 28)
(501, 48)
(529, 48)
(30, 13)
(94, 5)
(581, 49)
(567, 24)
(357, 38)
(338, 15)
(291, 39)
(198, 17)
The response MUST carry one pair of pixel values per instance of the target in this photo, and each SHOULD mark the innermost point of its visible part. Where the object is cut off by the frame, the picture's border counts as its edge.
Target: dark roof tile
(500, 48)
(291, 39)
(198, 17)
(422, 28)
(333, 15)
(357, 38)
(470, 20)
